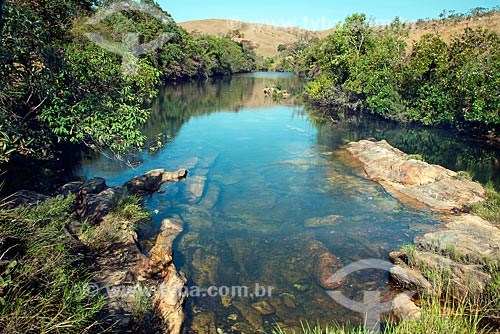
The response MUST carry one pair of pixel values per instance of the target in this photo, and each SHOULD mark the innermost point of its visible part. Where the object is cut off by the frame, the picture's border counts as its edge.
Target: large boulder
(467, 238)
(415, 181)
(26, 198)
(95, 207)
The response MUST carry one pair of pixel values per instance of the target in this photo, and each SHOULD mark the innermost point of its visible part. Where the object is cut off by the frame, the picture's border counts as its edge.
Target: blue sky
(314, 14)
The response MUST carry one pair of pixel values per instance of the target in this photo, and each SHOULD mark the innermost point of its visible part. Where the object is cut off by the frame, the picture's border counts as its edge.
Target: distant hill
(268, 37)
(449, 28)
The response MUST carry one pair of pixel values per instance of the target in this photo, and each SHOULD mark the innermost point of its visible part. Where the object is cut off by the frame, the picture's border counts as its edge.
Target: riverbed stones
(195, 188)
(327, 221)
(204, 323)
(198, 219)
(322, 264)
(463, 251)
(210, 198)
(264, 308)
(415, 181)
(250, 314)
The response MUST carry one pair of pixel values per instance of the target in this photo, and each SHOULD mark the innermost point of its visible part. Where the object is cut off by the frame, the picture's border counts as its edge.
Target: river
(261, 170)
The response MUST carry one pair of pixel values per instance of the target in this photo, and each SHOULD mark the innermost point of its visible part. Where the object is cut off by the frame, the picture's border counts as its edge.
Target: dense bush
(432, 82)
(58, 86)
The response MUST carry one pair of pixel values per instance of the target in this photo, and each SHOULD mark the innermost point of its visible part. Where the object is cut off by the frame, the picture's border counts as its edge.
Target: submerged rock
(264, 308)
(205, 323)
(195, 188)
(322, 264)
(250, 314)
(323, 221)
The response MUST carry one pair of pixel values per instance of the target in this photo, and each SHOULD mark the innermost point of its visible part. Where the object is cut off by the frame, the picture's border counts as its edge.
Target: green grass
(415, 157)
(441, 314)
(410, 250)
(126, 213)
(490, 208)
(438, 317)
(464, 175)
(43, 283)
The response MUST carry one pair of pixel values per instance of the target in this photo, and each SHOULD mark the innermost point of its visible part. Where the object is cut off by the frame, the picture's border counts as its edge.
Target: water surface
(260, 169)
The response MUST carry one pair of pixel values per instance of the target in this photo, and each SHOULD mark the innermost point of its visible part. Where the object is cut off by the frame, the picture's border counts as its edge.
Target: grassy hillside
(449, 28)
(267, 37)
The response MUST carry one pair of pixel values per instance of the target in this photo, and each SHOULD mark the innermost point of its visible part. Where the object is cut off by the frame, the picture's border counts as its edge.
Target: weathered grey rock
(152, 180)
(69, 188)
(461, 278)
(410, 279)
(327, 221)
(93, 206)
(92, 186)
(468, 238)
(415, 181)
(403, 308)
(26, 198)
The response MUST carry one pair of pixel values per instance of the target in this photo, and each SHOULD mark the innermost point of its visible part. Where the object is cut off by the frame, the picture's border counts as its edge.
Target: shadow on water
(267, 196)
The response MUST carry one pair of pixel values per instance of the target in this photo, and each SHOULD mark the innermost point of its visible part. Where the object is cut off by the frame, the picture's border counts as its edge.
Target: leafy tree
(56, 86)
(434, 83)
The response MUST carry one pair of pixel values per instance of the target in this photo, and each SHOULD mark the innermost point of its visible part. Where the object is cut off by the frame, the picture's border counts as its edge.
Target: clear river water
(261, 170)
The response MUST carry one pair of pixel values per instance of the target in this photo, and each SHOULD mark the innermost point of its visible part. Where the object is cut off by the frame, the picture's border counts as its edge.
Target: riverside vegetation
(57, 86)
(359, 67)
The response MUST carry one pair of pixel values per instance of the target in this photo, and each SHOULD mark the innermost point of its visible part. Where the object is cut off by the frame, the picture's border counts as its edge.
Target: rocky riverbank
(137, 287)
(465, 252)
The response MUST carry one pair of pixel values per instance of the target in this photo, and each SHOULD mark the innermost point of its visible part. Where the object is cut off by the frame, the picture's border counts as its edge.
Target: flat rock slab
(413, 180)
